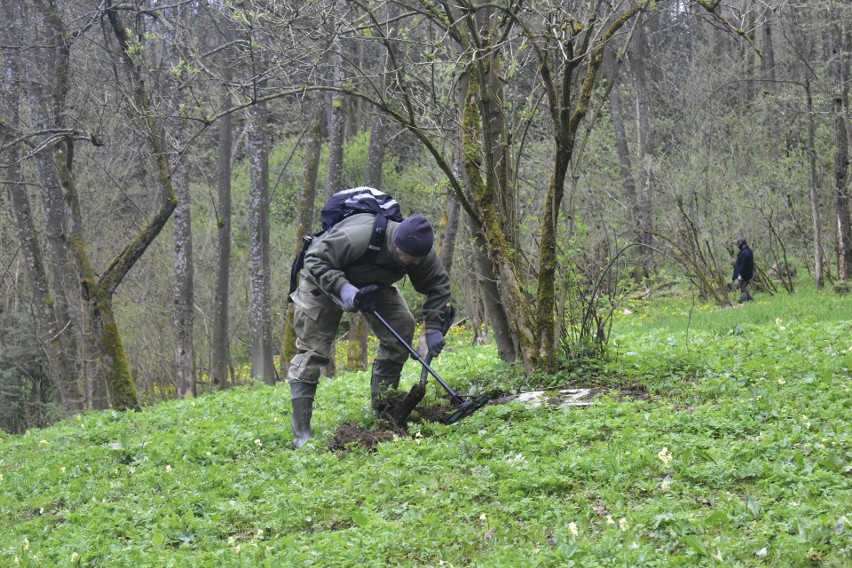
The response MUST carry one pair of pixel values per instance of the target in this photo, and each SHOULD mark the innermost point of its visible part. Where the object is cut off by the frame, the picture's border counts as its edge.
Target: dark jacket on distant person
(744, 267)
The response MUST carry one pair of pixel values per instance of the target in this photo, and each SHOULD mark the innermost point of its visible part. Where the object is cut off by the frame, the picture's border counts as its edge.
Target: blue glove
(434, 341)
(347, 296)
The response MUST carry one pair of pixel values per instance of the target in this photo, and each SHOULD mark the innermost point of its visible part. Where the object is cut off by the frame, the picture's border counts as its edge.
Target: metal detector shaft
(455, 397)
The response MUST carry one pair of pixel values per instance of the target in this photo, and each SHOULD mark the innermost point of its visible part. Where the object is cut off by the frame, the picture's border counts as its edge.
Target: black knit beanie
(414, 236)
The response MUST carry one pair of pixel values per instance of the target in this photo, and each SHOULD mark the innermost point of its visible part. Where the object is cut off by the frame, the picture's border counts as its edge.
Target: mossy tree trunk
(494, 296)
(97, 292)
(533, 311)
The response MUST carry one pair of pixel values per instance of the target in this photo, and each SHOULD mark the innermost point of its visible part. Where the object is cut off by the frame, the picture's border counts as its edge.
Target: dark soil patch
(437, 413)
(349, 436)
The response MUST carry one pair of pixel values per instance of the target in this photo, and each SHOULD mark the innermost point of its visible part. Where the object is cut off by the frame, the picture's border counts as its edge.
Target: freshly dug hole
(348, 435)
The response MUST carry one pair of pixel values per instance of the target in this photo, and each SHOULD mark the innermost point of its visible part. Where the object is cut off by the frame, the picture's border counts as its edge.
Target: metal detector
(465, 407)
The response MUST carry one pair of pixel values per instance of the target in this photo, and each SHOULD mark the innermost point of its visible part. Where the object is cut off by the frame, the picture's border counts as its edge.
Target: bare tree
(58, 144)
(45, 69)
(622, 149)
(49, 71)
(813, 188)
(259, 286)
(639, 61)
(55, 338)
(336, 122)
(221, 346)
(840, 100)
(184, 296)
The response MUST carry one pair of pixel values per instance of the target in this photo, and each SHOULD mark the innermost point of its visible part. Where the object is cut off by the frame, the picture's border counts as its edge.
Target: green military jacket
(334, 258)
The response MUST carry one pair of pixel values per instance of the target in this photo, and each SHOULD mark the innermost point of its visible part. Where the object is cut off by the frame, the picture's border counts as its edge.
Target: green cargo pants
(317, 317)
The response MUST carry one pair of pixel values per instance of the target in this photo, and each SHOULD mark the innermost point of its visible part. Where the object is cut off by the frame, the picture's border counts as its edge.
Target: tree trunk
(221, 356)
(356, 349)
(54, 337)
(183, 289)
(488, 271)
(536, 323)
(336, 126)
(260, 318)
(638, 59)
(376, 151)
(622, 149)
(498, 316)
(358, 330)
(450, 230)
(184, 297)
(46, 71)
(767, 62)
(453, 208)
(471, 291)
(837, 61)
(98, 292)
(814, 189)
(336, 135)
(768, 70)
(494, 131)
(748, 51)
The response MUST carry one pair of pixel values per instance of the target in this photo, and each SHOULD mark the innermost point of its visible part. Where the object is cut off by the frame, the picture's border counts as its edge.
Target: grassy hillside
(738, 456)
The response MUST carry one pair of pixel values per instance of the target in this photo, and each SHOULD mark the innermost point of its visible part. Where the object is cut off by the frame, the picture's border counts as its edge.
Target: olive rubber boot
(385, 378)
(302, 397)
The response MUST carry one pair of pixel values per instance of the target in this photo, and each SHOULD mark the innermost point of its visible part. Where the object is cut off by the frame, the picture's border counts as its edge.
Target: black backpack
(344, 204)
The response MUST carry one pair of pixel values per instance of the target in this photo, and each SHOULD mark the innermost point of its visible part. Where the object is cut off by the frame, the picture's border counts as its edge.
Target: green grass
(739, 457)
(683, 312)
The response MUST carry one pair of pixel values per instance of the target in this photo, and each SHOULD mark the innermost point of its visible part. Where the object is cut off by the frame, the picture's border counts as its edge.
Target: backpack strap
(377, 239)
(299, 263)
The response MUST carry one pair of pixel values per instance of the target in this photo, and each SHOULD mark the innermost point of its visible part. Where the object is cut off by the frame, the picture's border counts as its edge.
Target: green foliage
(589, 299)
(28, 399)
(738, 457)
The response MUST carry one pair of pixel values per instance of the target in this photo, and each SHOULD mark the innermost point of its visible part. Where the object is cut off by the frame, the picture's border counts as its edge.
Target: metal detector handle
(449, 316)
(455, 397)
(424, 373)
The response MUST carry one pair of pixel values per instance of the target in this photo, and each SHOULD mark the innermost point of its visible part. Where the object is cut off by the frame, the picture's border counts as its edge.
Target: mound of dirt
(348, 436)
